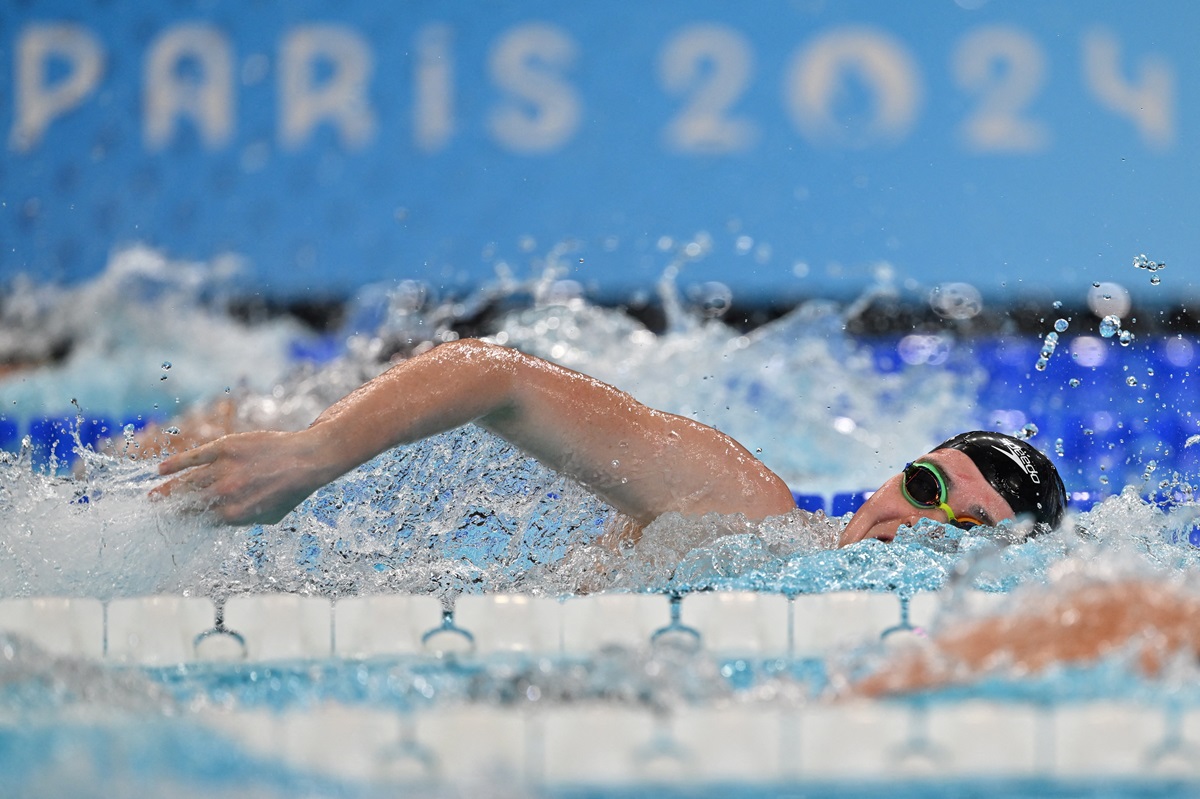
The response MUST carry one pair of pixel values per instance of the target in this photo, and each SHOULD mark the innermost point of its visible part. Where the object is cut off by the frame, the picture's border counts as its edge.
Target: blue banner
(784, 148)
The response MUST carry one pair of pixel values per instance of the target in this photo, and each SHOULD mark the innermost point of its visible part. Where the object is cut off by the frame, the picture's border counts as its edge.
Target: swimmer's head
(1020, 473)
(985, 477)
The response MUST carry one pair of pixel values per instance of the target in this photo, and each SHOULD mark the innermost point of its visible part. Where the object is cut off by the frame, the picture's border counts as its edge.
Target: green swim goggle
(924, 486)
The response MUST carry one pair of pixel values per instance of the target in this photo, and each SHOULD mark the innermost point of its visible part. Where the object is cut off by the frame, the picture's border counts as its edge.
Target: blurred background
(967, 179)
(788, 149)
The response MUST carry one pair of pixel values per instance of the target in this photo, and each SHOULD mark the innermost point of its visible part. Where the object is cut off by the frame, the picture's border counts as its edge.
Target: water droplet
(1150, 371)
(1057, 304)
(128, 431)
(1029, 431)
(1155, 280)
(1131, 381)
(1058, 447)
(1052, 337)
(616, 464)
(1073, 382)
(1103, 479)
(166, 365)
(1095, 285)
(1126, 338)
(1109, 326)
(1041, 364)
(1060, 325)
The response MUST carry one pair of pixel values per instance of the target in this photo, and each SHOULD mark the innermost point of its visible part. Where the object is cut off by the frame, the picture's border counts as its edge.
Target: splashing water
(143, 319)
(464, 512)
(797, 391)
(99, 537)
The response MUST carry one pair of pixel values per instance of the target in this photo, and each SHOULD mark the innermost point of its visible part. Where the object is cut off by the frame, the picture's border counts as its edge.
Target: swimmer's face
(968, 494)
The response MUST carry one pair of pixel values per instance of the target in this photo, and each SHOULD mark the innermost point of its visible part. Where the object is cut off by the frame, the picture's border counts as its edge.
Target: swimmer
(641, 461)
(1150, 622)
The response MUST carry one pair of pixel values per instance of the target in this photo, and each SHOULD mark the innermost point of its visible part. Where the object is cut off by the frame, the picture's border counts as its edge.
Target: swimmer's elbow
(488, 369)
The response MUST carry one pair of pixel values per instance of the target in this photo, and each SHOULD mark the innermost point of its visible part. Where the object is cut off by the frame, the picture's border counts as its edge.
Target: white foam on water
(99, 537)
(144, 311)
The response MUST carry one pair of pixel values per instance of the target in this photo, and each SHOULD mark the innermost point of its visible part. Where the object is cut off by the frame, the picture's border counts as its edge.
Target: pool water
(427, 607)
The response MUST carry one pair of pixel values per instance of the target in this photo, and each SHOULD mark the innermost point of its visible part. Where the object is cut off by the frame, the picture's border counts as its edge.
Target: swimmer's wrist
(322, 454)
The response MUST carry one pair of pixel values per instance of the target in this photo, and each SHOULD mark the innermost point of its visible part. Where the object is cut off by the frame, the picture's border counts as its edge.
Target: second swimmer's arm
(642, 461)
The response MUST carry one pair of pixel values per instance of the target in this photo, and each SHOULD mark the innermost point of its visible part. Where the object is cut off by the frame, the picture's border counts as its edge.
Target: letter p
(40, 100)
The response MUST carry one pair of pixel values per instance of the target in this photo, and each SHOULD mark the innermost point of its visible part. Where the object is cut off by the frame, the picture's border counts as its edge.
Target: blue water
(464, 513)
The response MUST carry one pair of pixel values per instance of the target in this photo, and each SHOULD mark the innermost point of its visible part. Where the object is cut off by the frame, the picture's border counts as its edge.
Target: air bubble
(1060, 325)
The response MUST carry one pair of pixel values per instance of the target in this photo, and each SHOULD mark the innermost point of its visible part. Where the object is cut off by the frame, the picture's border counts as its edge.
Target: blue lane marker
(809, 502)
(847, 502)
(10, 435)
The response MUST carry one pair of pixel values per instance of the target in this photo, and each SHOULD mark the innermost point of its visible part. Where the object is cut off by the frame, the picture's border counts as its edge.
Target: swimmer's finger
(191, 482)
(206, 453)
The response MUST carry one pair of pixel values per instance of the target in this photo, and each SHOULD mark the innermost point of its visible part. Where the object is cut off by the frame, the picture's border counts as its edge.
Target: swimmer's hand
(246, 478)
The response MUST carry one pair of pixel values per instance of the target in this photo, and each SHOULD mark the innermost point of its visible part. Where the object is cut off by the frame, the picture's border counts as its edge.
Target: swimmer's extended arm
(642, 461)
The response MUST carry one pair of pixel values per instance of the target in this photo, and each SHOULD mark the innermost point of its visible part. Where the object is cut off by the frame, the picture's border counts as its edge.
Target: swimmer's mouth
(887, 536)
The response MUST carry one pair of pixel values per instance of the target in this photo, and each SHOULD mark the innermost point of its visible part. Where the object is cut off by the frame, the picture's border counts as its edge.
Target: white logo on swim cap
(1019, 457)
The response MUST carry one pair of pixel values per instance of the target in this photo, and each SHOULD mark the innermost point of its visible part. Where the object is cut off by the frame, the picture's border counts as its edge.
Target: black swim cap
(1021, 474)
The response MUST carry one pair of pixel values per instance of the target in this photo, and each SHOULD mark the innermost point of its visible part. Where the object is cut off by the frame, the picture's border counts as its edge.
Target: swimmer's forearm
(447, 387)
